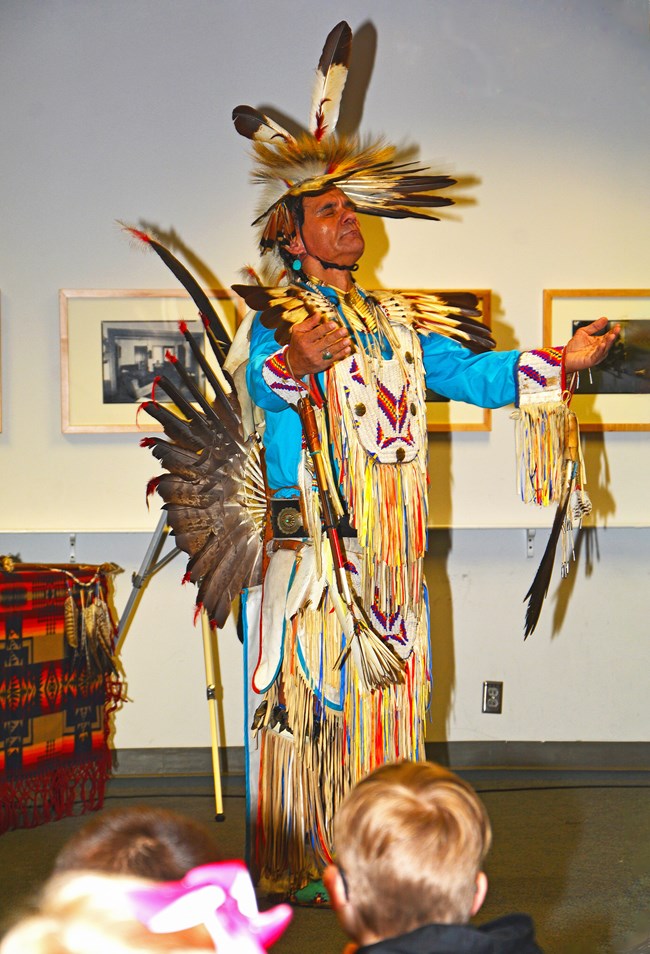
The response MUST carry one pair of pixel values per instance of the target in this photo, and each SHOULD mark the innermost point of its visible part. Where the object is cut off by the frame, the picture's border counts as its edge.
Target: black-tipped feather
(331, 76)
(539, 587)
(221, 395)
(174, 394)
(190, 284)
(177, 429)
(252, 124)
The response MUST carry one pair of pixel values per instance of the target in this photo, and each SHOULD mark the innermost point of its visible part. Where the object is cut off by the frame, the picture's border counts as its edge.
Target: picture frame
(615, 395)
(443, 415)
(113, 343)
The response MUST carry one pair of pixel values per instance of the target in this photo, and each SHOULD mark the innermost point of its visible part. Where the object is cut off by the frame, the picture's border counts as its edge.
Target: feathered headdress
(369, 173)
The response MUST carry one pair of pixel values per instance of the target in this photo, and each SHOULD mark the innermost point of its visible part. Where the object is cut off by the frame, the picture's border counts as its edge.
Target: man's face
(331, 230)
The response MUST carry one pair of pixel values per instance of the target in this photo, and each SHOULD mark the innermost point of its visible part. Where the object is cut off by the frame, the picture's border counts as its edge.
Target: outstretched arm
(587, 348)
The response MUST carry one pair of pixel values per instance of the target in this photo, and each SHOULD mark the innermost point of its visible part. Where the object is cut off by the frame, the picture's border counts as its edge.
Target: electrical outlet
(492, 697)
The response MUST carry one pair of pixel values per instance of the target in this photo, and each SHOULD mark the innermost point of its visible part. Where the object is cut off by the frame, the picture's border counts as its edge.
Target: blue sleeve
(263, 345)
(283, 432)
(487, 380)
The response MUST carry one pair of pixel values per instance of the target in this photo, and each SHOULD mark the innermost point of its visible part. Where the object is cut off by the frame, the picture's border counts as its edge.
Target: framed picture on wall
(113, 345)
(615, 395)
(444, 415)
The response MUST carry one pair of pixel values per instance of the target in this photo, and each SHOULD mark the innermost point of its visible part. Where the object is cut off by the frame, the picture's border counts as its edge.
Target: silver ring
(327, 355)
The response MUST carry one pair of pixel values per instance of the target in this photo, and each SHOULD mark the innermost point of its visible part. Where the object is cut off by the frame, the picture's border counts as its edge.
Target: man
(337, 632)
(323, 730)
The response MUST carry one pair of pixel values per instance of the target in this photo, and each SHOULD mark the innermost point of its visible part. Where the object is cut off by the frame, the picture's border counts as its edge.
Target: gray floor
(570, 848)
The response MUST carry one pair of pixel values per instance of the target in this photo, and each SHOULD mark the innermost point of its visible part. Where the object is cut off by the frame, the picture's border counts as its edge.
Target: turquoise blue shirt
(486, 380)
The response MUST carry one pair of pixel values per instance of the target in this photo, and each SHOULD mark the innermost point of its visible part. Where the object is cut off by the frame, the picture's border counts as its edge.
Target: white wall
(122, 110)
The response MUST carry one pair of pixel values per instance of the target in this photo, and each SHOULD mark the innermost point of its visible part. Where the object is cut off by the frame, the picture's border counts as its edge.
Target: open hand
(587, 348)
(316, 345)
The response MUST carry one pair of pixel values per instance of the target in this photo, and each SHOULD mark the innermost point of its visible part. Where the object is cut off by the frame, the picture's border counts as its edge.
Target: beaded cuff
(279, 379)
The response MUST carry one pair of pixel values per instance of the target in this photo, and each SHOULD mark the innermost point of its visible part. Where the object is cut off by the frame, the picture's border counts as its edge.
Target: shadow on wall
(443, 660)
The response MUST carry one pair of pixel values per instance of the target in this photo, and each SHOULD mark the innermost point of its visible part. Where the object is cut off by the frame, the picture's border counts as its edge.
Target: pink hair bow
(219, 896)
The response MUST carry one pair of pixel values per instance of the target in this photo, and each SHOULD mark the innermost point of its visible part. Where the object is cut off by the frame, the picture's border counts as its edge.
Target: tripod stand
(148, 568)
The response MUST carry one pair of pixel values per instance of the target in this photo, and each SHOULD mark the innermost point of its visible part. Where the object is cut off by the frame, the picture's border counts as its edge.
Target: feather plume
(163, 383)
(453, 314)
(252, 124)
(191, 385)
(368, 174)
(561, 524)
(331, 74)
(182, 492)
(176, 428)
(224, 580)
(171, 456)
(539, 587)
(214, 376)
(280, 308)
(190, 284)
(190, 541)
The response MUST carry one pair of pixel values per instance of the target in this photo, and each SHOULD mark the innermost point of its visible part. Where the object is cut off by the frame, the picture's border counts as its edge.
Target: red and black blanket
(55, 697)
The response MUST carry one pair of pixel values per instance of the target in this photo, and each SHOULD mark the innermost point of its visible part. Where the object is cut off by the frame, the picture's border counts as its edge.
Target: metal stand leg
(146, 571)
(210, 675)
(139, 581)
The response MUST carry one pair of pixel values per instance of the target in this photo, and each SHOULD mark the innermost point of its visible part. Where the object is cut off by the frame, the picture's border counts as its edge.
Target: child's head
(82, 911)
(139, 840)
(212, 908)
(410, 841)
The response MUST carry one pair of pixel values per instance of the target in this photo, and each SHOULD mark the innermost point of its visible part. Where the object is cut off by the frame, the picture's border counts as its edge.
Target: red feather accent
(250, 272)
(197, 611)
(148, 442)
(171, 357)
(321, 126)
(182, 327)
(139, 234)
(143, 407)
(151, 487)
(154, 383)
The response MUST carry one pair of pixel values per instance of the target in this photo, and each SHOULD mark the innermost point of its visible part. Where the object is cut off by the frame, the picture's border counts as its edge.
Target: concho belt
(287, 521)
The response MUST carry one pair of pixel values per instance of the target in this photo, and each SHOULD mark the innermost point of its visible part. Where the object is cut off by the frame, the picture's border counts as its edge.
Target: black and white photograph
(134, 354)
(626, 369)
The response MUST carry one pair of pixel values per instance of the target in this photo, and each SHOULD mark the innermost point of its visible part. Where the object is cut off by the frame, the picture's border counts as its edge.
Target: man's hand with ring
(315, 345)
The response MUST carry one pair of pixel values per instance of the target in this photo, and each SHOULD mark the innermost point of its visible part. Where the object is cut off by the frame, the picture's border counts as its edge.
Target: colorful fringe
(339, 730)
(305, 773)
(539, 449)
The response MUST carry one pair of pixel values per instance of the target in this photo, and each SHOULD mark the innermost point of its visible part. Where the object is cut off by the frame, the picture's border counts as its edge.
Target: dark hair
(150, 842)
(296, 210)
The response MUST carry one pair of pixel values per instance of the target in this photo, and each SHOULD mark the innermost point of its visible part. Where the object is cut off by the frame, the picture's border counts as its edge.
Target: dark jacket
(513, 934)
